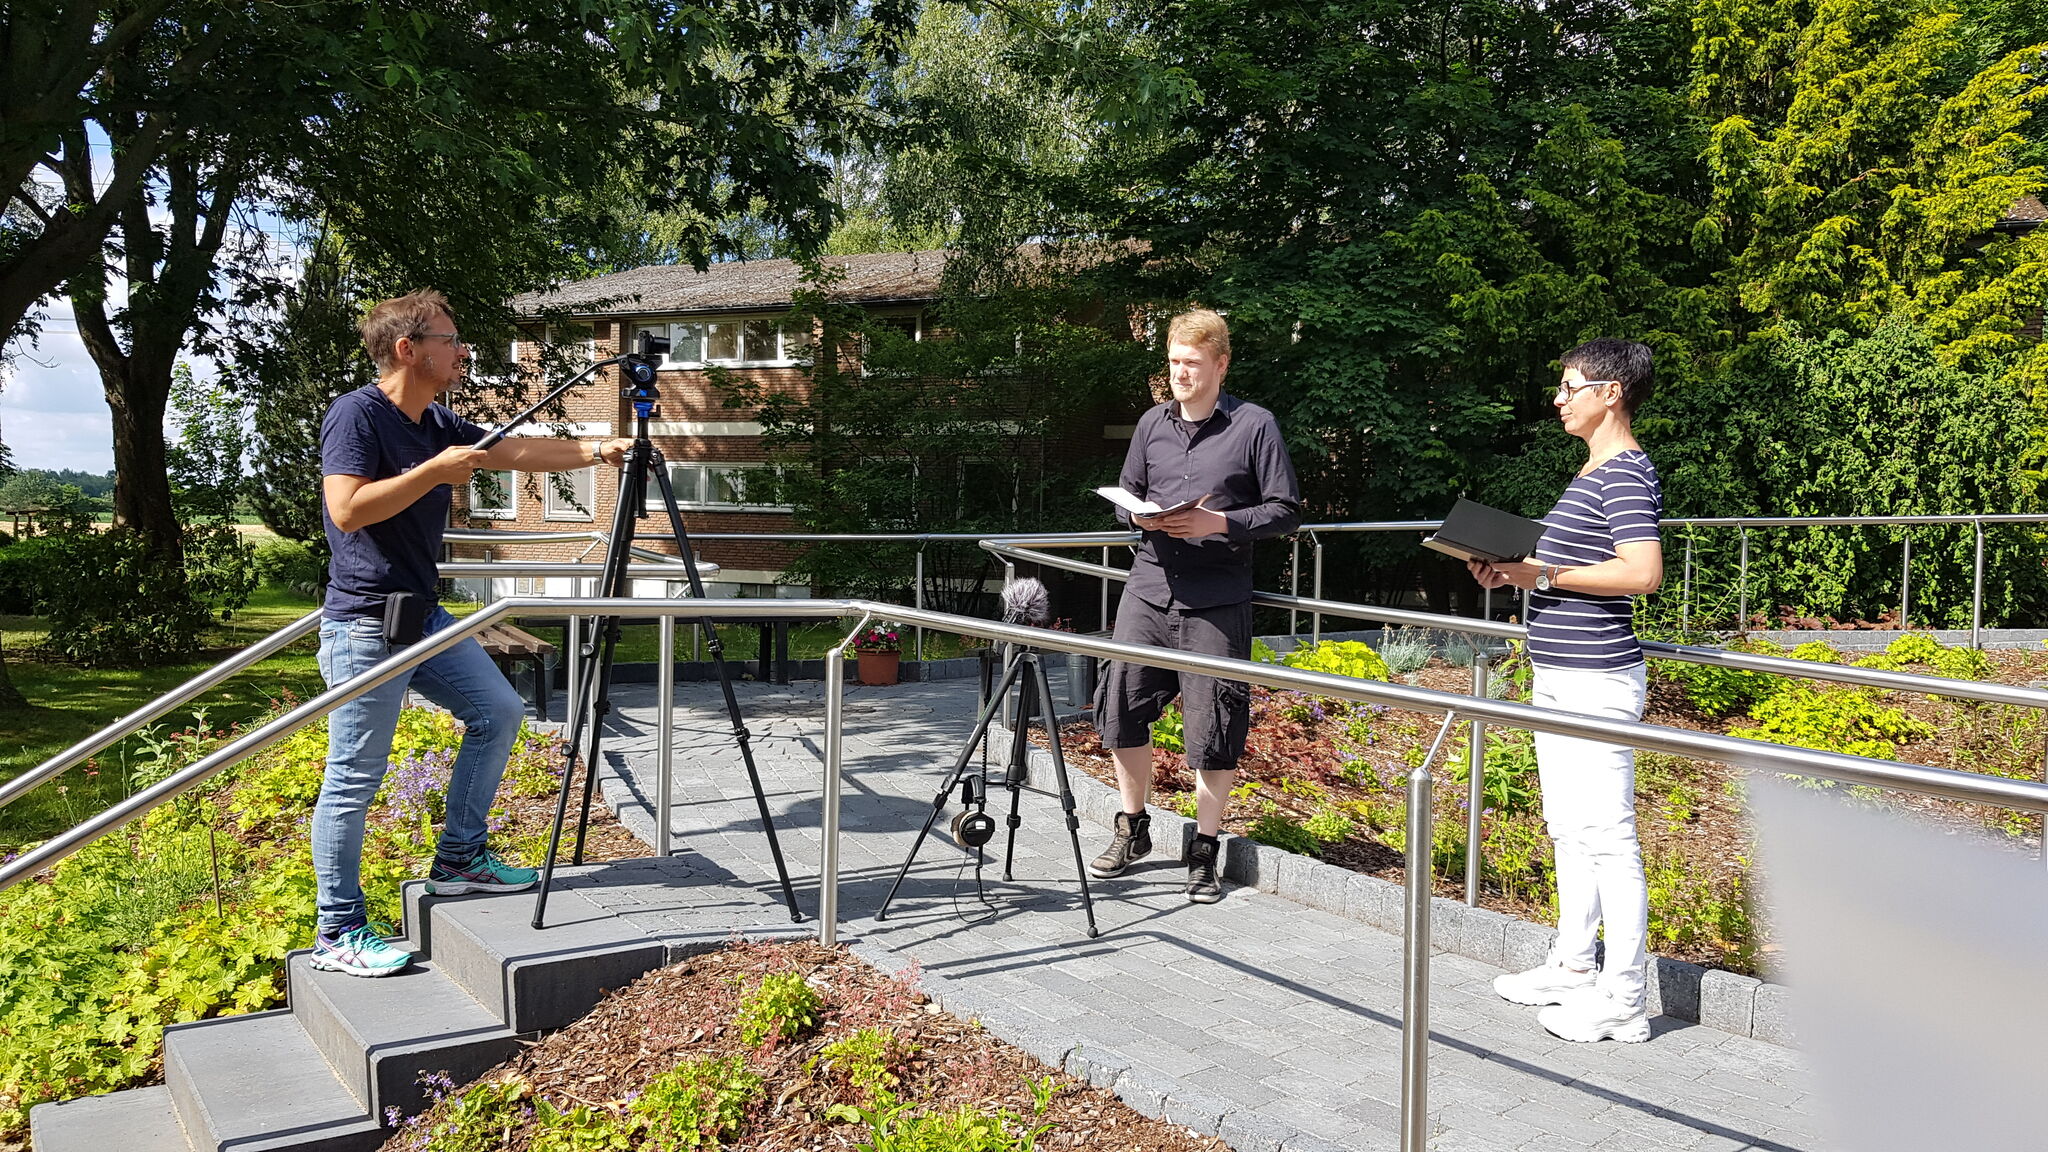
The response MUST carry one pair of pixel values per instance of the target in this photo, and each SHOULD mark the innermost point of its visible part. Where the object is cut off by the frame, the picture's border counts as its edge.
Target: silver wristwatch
(1546, 576)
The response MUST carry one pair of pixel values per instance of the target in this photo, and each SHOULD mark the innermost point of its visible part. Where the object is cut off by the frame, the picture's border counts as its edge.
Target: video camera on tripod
(639, 365)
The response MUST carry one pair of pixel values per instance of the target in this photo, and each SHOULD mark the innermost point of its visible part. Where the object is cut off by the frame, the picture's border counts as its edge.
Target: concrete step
(381, 1036)
(257, 1083)
(138, 1120)
(535, 980)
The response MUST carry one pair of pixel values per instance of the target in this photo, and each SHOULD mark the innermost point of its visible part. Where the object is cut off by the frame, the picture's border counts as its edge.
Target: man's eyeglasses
(453, 339)
(1565, 392)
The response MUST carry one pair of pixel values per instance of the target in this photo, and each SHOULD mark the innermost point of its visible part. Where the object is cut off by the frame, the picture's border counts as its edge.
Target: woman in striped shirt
(1599, 548)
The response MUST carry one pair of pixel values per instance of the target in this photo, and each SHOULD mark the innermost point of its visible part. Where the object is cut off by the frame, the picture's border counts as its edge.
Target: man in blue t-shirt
(389, 459)
(1599, 548)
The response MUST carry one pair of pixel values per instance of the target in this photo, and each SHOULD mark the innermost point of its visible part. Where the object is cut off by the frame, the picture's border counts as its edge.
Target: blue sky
(56, 416)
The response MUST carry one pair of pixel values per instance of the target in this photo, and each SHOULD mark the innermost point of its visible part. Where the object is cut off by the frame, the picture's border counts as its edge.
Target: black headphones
(973, 828)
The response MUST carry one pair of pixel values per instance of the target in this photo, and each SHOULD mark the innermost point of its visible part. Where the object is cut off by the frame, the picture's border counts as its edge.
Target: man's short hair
(1624, 360)
(404, 317)
(1200, 328)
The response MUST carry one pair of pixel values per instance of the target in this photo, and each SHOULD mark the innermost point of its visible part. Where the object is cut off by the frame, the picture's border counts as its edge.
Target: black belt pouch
(405, 619)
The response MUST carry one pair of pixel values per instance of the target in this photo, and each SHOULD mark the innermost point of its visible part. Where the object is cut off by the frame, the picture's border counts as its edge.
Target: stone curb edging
(1742, 1005)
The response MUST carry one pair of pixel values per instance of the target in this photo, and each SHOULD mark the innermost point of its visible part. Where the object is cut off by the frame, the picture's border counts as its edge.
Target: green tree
(301, 356)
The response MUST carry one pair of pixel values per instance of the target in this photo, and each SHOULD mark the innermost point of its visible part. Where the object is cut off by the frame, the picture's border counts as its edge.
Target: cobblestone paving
(1269, 1023)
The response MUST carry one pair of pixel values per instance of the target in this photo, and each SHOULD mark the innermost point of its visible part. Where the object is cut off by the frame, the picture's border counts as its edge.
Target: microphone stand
(976, 790)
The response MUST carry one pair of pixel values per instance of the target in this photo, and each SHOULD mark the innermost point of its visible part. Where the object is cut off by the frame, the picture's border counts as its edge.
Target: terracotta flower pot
(878, 667)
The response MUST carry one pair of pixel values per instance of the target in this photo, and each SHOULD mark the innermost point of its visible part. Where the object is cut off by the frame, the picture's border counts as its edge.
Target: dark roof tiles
(740, 285)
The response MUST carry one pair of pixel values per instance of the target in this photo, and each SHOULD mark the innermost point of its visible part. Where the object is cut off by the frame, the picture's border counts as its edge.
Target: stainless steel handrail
(135, 721)
(1945, 783)
(1977, 690)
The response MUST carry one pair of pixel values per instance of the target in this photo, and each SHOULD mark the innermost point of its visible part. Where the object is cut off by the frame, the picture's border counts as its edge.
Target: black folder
(1474, 531)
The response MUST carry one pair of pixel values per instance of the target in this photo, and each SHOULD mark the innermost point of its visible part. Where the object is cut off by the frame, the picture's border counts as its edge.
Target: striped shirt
(1616, 503)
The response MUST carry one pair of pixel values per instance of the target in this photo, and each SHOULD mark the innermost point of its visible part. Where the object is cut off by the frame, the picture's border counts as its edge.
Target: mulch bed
(687, 1011)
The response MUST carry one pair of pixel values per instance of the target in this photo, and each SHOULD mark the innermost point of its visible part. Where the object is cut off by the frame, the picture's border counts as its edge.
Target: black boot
(1133, 842)
(1202, 885)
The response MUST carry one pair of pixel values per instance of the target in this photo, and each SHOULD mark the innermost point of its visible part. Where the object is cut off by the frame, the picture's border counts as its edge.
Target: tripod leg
(601, 707)
(732, 704)
(988, 714)
(594, 673)
(1059, 767)
(1016, 772)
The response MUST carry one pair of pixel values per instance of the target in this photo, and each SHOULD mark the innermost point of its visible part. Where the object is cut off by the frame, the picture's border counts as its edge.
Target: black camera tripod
(596, 655)
(975, 828)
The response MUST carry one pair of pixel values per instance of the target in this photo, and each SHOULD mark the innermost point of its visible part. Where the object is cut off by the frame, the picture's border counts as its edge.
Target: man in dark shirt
(1191, 586)
(390, 457)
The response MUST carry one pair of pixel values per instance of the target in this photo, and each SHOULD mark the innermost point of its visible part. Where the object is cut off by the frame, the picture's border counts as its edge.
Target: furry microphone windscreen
(1026, 602)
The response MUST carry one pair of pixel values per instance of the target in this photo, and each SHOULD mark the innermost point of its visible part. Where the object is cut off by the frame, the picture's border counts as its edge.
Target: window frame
(783, 341)
(511, 509)
(707, 484)
(552, 510)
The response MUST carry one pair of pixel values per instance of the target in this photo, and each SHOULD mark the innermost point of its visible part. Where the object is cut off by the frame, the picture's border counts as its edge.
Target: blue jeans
(463, 680)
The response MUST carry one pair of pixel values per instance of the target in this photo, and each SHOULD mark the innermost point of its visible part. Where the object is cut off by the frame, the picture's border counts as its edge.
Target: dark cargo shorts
(1215, 713)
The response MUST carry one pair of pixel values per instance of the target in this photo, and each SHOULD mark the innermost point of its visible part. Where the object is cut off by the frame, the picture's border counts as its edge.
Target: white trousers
(1589, 809)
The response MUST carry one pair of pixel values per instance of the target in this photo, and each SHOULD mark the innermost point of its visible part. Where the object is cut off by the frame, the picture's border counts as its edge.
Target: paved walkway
(1269, 1023)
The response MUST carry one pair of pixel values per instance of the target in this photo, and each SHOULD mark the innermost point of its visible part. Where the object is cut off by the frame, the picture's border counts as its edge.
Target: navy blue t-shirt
(365, 434)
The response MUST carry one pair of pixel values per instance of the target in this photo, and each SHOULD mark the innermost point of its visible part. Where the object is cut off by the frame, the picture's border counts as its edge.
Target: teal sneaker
(486, 873)
(360, 951)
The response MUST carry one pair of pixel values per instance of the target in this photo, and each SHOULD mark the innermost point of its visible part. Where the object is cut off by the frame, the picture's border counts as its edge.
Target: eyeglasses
(1565, 392)
(453, 339)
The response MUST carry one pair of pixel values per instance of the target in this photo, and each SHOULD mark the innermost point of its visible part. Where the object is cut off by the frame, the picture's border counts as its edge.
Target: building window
(724, 487)
(493, 495)
(571, 495)
(759, 340)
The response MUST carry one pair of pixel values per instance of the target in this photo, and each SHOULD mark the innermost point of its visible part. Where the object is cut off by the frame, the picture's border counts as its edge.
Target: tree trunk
(11, 699)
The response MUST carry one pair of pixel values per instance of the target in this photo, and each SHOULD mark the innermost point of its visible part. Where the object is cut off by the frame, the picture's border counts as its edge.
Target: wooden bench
(511, 646)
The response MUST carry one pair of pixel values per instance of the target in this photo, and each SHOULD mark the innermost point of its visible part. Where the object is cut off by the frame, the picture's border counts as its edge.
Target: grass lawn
(72, 703)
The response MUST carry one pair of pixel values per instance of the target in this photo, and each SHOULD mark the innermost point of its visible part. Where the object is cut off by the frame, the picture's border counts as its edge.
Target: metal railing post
(1475, 790)
(1905, 577)
(1294, 586)
(1415, 953)
(917, 598)
(1316, 619)
(665, 736)
(1102, 612)
(828, 831)
(1977, 592)
(1685, 597)
(1742, 587)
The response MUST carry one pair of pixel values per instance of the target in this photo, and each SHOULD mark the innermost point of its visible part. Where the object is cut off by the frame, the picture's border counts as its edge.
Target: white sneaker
(1592, 1014)
(1546, 985)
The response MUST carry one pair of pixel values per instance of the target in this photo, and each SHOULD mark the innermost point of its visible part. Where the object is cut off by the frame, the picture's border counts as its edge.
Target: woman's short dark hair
(1624, 360)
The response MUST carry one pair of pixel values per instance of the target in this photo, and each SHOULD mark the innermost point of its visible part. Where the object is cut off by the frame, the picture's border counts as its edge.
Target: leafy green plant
(1284, 832)
(900, 1128)
(1166, 731)
(1847, 720)
(697, 1104)
(1340, 658)
(782, 1006)
(1329, 826)
(129, 937)
(1509, 783)
(870, 1061)
(1183, 803)
(1719, 691)
(1689, 910)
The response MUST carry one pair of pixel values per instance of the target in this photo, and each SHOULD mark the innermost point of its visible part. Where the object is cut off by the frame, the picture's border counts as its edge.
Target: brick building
(731, 317)
(2026, 216)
